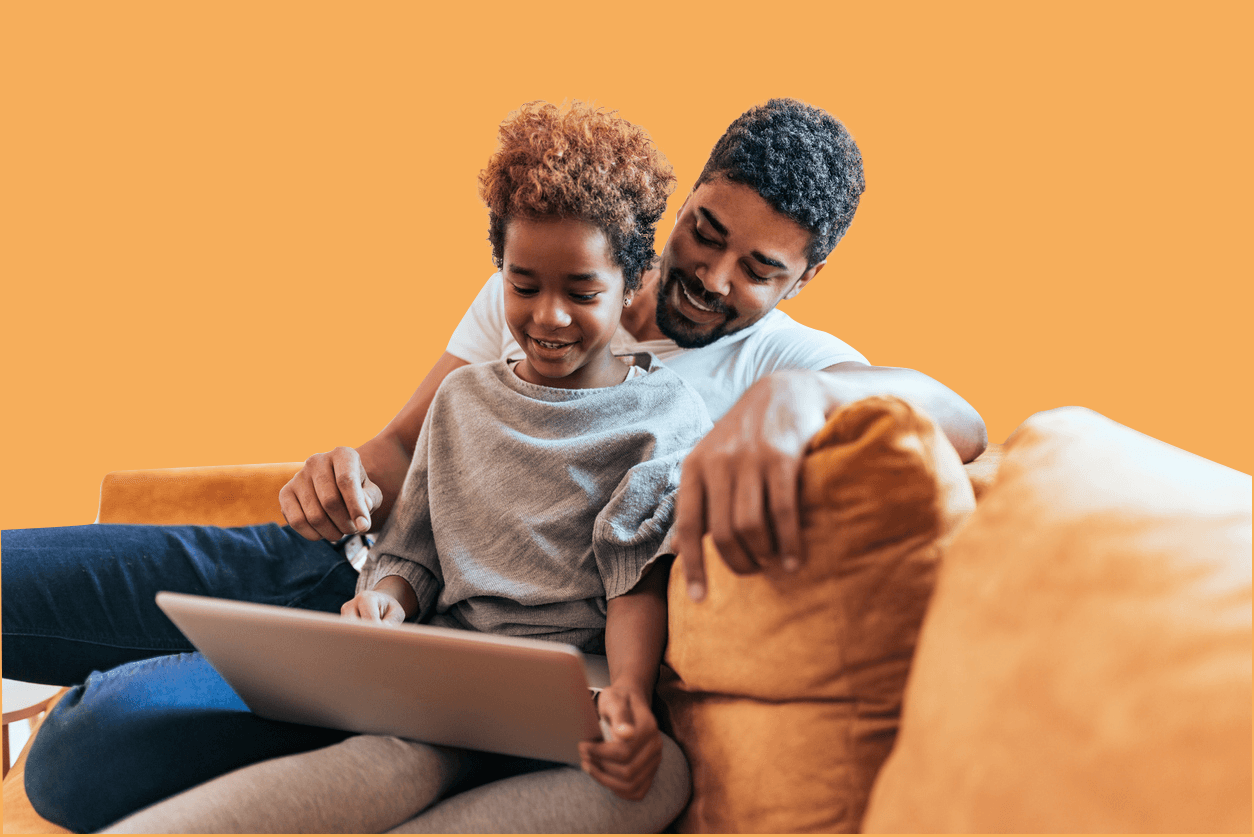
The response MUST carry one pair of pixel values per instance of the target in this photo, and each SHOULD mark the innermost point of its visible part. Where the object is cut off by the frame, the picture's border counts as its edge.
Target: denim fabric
(143, 731)
(79, 599)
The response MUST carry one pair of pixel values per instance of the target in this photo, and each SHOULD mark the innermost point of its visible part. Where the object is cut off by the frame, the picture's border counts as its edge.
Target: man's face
(731, 258)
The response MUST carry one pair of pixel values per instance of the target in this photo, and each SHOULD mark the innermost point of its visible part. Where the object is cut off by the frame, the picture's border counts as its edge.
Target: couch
(1053, 638)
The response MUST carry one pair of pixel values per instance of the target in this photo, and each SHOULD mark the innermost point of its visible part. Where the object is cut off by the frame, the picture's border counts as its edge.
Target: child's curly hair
(583, 163)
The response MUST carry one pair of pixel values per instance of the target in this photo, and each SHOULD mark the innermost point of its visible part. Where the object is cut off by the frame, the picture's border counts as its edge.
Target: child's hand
(626, 763)
(374, 606)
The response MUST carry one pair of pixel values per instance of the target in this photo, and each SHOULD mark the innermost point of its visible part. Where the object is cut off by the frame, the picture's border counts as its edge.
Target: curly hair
(583, 163)
(801, 160)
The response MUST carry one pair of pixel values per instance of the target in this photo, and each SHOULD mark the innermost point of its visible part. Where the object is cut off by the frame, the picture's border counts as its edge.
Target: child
(537, 504)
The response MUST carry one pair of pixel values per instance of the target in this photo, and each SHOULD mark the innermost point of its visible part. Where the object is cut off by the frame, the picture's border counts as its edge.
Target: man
(777, 194)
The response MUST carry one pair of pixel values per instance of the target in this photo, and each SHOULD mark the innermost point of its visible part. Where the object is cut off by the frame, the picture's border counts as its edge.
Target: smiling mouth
(700, 313)
(693, 302)
(548, 344)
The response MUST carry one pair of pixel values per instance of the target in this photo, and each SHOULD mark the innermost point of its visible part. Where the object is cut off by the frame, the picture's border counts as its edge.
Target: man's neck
(640, 319)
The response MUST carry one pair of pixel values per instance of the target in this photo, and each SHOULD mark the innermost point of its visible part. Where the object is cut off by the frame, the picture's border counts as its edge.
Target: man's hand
(374, 606)
(330, 497)
(740, 482)
(627, 760)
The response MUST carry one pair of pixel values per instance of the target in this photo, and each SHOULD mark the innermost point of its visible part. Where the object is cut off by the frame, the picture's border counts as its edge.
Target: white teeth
(692, 301)
(549, 345)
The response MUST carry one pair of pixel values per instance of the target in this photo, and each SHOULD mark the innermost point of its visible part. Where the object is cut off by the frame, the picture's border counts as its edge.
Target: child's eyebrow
(586, 276)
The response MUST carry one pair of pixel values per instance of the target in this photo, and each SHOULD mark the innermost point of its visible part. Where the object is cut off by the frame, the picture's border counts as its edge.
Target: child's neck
(603, 371)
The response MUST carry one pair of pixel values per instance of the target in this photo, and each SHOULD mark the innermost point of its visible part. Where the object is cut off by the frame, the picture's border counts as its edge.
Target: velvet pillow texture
(1085, 664)
(786, 687)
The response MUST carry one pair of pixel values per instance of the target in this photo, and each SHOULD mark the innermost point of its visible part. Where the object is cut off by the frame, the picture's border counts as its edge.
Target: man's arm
(740, 482)
(345, 491)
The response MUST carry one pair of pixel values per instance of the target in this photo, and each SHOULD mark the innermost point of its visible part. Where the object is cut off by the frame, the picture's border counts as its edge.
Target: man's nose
(716, 275)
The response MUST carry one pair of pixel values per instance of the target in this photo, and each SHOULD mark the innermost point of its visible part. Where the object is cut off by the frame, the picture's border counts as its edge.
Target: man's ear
(804, 280)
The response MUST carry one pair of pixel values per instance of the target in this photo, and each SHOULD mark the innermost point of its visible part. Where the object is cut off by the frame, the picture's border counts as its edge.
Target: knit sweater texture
(526, 508)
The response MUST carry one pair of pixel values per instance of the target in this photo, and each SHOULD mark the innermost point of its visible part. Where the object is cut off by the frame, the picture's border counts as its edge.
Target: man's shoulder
(778, 322)
(779, 335)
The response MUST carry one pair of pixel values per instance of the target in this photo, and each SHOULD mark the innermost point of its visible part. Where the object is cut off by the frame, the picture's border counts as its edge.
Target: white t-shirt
(720, 372)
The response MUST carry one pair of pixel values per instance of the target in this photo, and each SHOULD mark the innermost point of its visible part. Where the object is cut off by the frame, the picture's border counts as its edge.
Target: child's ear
(627, 297)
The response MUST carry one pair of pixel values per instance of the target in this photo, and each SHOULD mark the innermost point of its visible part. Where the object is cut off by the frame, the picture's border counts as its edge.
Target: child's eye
(585, 297)
(521, 291)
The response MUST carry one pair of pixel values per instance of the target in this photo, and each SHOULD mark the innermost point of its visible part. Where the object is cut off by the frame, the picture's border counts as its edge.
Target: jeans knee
(61, 775)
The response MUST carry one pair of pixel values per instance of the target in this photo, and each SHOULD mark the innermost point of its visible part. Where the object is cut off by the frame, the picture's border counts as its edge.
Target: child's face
(563, 299)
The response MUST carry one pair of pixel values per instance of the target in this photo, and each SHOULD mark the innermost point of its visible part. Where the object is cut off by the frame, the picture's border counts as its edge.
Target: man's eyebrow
(722, 230)
(714, 222)
(767, 260)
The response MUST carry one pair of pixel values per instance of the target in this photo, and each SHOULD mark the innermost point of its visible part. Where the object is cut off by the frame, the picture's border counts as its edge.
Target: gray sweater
(527, 507)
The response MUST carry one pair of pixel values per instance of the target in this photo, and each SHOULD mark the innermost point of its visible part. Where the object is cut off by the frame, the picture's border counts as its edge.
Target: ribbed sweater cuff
(628, 566)
(426, 586)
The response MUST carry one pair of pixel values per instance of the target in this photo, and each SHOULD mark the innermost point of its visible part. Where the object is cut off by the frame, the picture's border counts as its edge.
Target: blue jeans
(79, 599)
(145, 730)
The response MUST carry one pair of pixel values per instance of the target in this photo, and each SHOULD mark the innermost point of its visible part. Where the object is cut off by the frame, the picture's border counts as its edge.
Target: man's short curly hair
(801, 160)
(582, 163)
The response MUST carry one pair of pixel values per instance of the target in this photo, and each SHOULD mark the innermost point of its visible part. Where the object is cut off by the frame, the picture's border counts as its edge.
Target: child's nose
(551, 313)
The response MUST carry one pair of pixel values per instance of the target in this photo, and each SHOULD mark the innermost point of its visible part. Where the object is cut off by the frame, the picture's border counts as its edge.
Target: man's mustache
(698, 292)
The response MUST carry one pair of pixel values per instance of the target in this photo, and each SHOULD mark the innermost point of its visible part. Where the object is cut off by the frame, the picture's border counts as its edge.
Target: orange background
(242, 232)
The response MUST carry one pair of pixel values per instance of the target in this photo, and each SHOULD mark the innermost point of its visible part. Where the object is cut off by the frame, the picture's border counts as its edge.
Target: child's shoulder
(672, 390)
(473, 380)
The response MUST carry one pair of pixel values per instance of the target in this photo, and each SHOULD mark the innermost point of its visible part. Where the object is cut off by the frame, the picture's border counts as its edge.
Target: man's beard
(678, 327)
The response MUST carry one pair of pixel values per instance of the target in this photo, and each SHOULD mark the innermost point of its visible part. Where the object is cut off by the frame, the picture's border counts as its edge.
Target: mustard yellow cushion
(213, 495)
(787, 687)
(1085, 664)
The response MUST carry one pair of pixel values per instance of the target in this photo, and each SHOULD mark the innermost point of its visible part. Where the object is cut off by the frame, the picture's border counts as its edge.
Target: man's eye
(755, 277)
(702, 238)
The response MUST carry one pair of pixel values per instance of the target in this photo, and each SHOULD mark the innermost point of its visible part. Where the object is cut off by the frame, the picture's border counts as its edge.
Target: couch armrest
(19, 816)
(216, 495)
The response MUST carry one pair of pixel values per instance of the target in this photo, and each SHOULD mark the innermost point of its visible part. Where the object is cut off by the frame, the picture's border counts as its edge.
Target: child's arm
(392, 600)
(635, 637)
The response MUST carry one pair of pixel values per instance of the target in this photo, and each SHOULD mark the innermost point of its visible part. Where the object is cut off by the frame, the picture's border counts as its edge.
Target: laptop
(522, 697)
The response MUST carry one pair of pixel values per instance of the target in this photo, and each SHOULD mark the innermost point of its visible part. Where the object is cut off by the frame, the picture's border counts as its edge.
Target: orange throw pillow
(786, 688)
(1085, 665)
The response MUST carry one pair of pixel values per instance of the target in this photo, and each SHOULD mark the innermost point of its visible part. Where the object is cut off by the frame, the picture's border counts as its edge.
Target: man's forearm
(386, 457)
(386, 462)
(958, 420)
